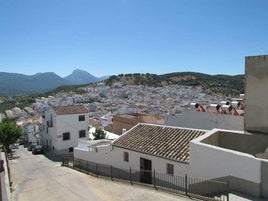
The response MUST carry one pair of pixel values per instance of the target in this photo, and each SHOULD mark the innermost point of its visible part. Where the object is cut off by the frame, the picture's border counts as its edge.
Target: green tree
(9, 133)
(99, 134)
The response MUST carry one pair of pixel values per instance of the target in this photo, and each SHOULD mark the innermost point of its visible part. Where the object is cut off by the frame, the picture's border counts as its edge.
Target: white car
(14, 146)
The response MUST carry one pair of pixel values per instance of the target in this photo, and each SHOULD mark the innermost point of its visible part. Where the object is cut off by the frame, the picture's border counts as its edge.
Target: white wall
(31, 131)
(210, 162)
(46, 137)
(256, 88)
(62, 124)
(114, 156)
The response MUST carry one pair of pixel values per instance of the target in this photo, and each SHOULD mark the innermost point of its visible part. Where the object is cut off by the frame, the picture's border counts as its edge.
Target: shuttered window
(170, 169)
(126, 156)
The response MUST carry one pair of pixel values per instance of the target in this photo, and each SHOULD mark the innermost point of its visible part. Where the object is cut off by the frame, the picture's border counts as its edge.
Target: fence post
(97, 170)
(73, 162)
(154, 180)
(130, 176)
(63, 161)
(186, 184)
(227, 191)
(87, 168)
(111, 172)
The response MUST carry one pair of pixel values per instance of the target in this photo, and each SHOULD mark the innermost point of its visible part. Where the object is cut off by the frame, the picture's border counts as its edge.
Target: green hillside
(217, 84)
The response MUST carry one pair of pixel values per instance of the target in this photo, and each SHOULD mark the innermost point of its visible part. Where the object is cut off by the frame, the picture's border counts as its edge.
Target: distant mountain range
(19, 84)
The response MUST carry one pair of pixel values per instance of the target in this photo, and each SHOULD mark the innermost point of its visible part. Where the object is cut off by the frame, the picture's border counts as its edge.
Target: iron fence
(194, 187)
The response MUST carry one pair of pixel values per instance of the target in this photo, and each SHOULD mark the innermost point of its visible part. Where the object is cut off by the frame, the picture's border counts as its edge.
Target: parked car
(22, 141)
(14, 146)
(30, 147)
(2, 166)
(27, 144)
(38, 149)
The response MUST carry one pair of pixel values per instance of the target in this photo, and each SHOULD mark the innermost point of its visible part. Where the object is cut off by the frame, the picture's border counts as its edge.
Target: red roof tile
(72, 109)
(163, 141)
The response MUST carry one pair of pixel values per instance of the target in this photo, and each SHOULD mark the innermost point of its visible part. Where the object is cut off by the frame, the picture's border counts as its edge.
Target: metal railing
(194, 187)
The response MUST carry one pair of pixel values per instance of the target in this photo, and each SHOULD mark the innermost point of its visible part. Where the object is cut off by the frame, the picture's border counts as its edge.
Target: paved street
(35, 177)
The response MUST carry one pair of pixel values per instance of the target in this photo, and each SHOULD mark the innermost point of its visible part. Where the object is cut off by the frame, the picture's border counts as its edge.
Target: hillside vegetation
(216, 84)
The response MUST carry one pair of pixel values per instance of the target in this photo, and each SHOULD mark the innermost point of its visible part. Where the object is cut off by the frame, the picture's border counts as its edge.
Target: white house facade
(32, 132)
(62, 126)
(145, 147)
(237, 157)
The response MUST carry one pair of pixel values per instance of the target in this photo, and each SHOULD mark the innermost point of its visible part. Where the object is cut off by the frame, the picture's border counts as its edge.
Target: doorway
(145, 171)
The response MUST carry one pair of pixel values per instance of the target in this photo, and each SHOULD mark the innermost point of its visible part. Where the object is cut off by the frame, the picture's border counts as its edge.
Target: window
(71, 149)
(126, 157)
(81, 118)
(66, 136)
(170, 169)
(82, 133)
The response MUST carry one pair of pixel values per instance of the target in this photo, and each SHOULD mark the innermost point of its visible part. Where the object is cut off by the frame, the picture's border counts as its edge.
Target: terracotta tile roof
(72, 109)
(163, 141)
(150, 119)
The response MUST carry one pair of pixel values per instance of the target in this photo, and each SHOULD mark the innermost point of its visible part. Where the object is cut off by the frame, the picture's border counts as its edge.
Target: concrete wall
(246, 143)
(205, 120)
(213, 139)
(114, 156)
(256, 93)
(264, 178)
(241, 169)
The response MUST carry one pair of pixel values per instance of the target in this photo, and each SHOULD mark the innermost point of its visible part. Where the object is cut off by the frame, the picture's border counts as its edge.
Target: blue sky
(106, 37)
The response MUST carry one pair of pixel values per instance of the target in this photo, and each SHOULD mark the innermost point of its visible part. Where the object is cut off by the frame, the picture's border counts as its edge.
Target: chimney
(233, 111)
(199, 108)
(240, 106)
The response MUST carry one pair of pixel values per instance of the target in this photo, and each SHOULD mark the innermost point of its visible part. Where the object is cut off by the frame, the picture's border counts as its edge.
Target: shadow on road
(53, 157)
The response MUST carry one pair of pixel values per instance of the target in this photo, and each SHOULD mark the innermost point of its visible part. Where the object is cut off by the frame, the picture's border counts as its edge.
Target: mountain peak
(79, 76)
(79, 71)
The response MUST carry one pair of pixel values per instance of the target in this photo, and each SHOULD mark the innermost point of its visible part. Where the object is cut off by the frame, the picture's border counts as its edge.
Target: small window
(170, 169)
(81, 118)
(71, 149)
(66, 136)
(126, 157)
(82, 133)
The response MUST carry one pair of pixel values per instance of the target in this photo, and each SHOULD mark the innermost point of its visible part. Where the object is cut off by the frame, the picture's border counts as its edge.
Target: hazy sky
(106, 37)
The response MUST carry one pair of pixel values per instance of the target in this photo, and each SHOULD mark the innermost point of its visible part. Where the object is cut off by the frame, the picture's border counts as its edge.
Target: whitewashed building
(32, 132)
(145, 147)
(234, 156)
(62, 126)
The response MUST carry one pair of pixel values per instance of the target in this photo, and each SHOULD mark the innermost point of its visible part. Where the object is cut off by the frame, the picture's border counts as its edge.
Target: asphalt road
(36, 178)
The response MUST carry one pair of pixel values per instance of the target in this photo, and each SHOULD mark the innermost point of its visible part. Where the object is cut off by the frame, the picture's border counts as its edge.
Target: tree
(9, 133)
(99, 134)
